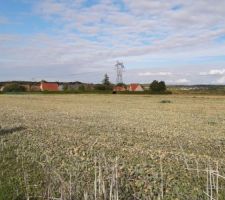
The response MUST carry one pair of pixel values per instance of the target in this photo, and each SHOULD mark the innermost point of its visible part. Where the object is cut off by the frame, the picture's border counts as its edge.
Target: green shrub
(81, 88)
(14, 87)
(65, 87)
(165, 101)
(103, 87)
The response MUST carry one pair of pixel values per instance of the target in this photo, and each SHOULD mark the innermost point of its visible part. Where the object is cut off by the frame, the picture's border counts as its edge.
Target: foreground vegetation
(112, 147)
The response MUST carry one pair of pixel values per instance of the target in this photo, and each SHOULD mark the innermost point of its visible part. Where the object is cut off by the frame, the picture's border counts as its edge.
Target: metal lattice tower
(119, 71)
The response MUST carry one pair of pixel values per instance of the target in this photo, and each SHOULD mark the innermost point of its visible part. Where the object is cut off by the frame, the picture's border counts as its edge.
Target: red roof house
(119, 89)
(49, 86)
(134, 87)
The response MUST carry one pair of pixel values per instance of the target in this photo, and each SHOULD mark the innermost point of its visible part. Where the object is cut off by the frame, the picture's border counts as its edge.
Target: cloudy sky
(178, 41)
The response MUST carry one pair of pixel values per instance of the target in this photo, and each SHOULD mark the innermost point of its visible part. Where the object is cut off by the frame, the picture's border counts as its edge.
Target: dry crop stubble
(112, 146)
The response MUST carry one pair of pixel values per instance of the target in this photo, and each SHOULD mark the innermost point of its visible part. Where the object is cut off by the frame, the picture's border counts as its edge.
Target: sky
(178, 41)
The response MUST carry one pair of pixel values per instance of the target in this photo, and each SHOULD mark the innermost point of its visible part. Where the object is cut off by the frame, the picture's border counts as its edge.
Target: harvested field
(112, 147)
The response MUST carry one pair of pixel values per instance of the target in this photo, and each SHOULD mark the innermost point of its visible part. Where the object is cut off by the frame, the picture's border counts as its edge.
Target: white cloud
(181, 81)
(213, 72)
(155, 74)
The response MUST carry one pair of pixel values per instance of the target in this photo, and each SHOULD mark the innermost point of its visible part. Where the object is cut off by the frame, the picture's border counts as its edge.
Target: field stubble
(112, 147)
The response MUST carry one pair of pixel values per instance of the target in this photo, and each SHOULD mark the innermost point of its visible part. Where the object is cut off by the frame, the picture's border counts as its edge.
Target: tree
(162, 86)
(154, 86)
(157, 87)
(106, 80)
(106, 85)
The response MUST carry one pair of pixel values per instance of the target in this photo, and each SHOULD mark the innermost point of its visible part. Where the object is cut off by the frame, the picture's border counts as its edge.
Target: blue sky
(178, 41)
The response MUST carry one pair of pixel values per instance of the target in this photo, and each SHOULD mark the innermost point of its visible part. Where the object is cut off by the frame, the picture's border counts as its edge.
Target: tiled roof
(133, 86)
(49, 86)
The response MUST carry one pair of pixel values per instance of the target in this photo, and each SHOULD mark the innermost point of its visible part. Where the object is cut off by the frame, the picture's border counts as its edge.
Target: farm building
(49, 86)
(119, 89)
(134, 87)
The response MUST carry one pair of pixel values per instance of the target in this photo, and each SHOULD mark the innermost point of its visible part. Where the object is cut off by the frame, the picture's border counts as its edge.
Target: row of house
(134, 87)
(60, 86)
(44, 86)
